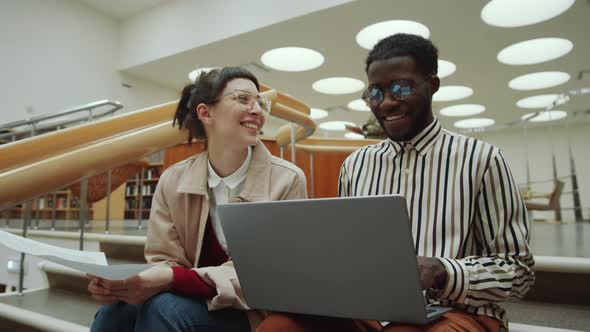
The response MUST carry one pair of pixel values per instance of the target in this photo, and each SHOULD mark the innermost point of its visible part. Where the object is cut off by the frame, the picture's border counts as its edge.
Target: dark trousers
(168, 312)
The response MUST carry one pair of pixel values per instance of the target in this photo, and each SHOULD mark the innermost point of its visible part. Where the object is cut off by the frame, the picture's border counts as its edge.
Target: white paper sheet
(85, 261)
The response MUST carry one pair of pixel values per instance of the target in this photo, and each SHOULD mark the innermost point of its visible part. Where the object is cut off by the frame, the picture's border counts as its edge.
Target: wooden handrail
(30, 150)
(46, 175)
(334, 145)
(290, 109)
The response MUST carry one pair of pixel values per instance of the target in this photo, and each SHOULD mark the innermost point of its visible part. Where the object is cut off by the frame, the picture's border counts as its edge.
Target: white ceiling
(122, 9)
(456, 28)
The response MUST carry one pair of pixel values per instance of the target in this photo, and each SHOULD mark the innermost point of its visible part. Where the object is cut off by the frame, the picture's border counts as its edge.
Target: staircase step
(48, 309)
(130, 252)
(574, 317)
(515, 327)
(562, 280)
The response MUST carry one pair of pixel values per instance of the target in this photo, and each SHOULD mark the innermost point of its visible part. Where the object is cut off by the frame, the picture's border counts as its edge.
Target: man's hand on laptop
(432, 273)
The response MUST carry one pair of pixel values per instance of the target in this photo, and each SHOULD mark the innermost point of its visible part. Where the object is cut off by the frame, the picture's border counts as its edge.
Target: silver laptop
(339, 257)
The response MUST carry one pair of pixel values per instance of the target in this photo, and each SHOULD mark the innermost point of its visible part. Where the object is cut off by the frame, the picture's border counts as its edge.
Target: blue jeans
(168, 312)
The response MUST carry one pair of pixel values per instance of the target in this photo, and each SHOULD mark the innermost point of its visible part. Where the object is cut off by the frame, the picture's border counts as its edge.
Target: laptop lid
(341, 257)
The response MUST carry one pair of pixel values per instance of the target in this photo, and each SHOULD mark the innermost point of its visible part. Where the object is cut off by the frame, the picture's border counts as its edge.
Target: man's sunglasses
(400, 90)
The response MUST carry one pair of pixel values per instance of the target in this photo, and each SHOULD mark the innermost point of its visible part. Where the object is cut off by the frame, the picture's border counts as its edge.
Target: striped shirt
(465, 209)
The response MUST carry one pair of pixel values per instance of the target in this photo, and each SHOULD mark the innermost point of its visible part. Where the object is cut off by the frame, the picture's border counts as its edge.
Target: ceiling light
(544, 116)
(292, 59)
(475, 123)
(359, 105)
(511, 13)
(317, 114)
(354, 136)
(539, 80)
(195, 73)
(534, 51)
(372, 34)
(462, 110)
(540, 101)
(445, 68)
(452, 92)
(338, 85)
(335, 125)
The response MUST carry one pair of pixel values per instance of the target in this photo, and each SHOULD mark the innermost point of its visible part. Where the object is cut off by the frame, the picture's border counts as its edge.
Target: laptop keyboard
(429, 311)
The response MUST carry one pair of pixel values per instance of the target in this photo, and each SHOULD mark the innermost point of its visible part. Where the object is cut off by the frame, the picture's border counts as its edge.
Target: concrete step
(516, 327)
(563, 316)
(47, 309)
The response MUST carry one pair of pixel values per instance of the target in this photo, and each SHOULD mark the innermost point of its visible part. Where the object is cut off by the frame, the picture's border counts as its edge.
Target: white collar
(232, 180)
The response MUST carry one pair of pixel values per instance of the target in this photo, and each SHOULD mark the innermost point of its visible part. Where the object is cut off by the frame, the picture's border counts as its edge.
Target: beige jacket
(180, 208)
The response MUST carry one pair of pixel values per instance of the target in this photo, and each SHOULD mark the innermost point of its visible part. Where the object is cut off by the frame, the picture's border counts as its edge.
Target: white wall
(56, 54)
(178, 26)
(541, 141)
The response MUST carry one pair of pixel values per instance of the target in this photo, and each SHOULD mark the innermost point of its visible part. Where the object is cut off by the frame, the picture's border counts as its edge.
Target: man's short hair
(422, 50)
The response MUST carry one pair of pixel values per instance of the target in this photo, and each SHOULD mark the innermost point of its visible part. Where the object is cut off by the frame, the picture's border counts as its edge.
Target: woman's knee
(111, 317)
(174, 311)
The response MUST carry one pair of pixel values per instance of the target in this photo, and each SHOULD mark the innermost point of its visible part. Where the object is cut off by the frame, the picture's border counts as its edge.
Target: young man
(468, 220)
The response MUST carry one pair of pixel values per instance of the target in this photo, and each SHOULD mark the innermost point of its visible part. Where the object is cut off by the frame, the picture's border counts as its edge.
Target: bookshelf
(139, 191)
(63, 203)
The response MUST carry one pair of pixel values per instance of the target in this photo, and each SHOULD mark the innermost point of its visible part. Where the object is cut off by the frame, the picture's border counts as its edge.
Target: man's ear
(203, 113)
(434, 84)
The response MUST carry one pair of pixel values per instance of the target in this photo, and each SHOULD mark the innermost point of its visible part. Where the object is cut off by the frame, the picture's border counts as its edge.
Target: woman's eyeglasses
(400, 90)
(247, 100)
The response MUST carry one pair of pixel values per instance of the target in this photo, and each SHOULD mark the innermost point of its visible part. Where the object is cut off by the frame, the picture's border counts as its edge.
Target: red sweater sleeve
(187, 282)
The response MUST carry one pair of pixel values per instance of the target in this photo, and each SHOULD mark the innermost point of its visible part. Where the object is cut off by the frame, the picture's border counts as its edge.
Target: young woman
(193, 285)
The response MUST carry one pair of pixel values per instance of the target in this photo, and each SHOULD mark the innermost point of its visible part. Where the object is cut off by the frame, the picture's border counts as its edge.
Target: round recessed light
(338, 85)
(534, 51)
(335, 125)
(510, 13)
(541, 101)
(539, 80)
(372, 34)
(292, 59)
(317, 114)
(195, 73)
(462, 110)
(544, 116)
(354, 136)
(445, 68)
(452, 92)
(359, 105)
(475, 123)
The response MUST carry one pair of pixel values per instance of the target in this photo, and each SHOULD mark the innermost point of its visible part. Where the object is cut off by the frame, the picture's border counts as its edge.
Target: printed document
(85, 261)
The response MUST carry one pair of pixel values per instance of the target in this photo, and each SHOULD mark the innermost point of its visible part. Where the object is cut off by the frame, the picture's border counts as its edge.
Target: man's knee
(304, 323)
(402, 328)
(281, 322)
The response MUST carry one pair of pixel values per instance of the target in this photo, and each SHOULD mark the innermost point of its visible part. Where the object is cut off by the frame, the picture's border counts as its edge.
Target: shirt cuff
(187, 282)
(457, 282)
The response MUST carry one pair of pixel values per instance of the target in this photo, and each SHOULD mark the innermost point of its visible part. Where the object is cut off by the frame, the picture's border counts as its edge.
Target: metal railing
(34, 125)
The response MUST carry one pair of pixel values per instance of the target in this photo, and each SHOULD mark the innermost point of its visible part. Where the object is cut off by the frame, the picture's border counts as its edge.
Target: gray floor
(566, 240)
(124, 227)
(547, 239)
(551, 315)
